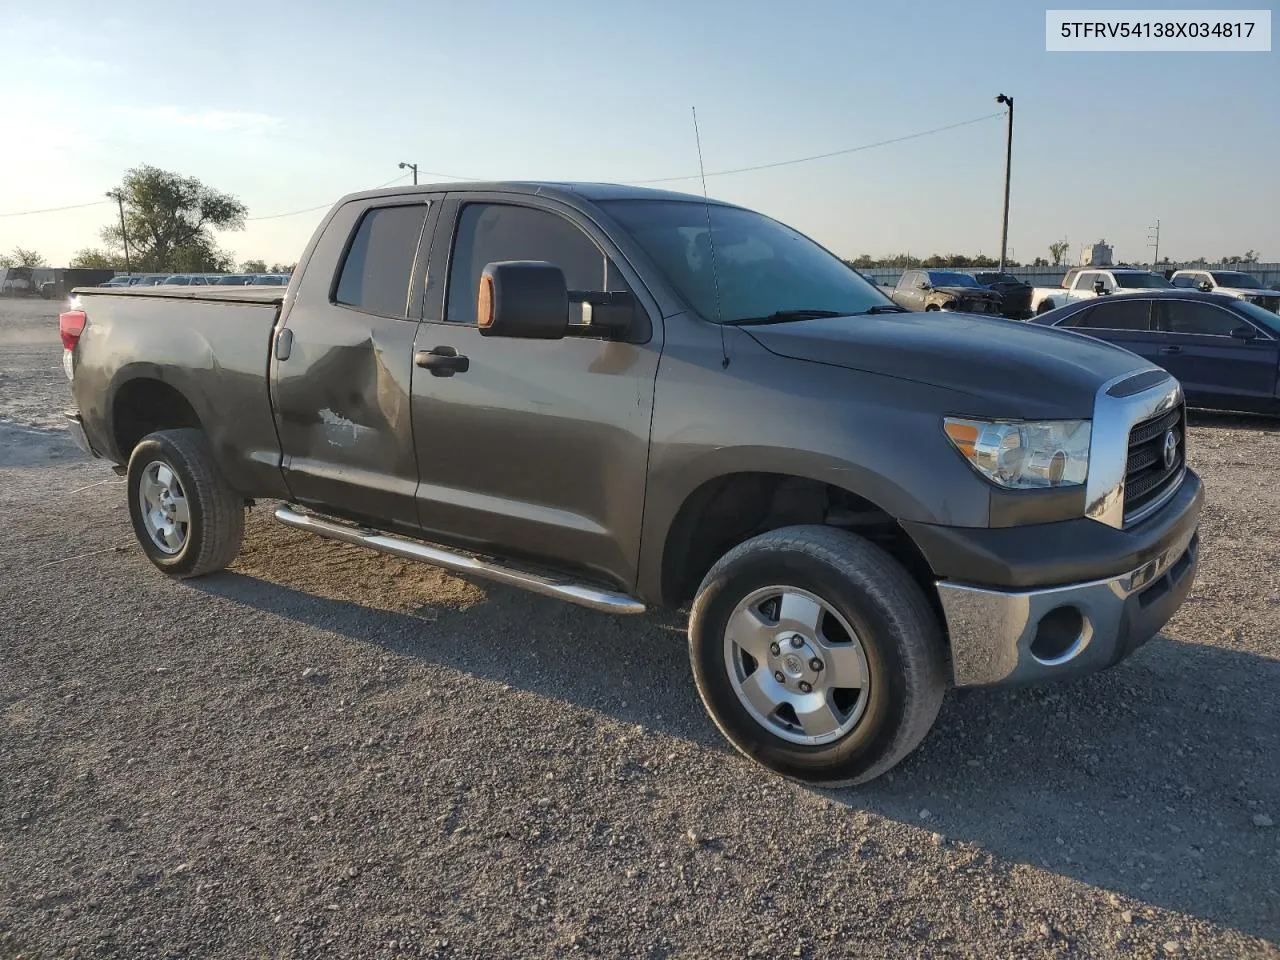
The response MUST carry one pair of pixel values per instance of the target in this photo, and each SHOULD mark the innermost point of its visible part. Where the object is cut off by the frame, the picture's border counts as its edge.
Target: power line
(819, 156)
(74, 206)
(691, 176)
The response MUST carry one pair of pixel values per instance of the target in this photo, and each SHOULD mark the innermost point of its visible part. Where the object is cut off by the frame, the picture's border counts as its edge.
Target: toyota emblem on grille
(1170, 449)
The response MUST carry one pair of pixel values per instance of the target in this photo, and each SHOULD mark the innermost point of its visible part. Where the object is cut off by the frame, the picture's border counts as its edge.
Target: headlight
(1024, 454)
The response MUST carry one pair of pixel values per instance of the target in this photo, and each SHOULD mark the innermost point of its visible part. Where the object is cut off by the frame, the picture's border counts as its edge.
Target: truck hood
(1006, 368)
(973, 293)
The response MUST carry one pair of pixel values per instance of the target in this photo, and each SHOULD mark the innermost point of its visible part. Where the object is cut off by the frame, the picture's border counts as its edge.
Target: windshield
(761, 267)
(1259, 315)
(944, 278)
(1130, 281)
(1232, 279)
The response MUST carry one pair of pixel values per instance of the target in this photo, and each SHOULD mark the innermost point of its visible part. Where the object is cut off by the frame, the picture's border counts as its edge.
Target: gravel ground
(326, 752)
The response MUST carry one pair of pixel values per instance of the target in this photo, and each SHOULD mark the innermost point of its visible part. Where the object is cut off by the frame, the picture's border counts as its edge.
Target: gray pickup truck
(627, 398)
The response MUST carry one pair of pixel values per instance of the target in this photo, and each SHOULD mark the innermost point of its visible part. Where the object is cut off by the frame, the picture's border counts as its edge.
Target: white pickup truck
(1233, 283)
(1083, 283)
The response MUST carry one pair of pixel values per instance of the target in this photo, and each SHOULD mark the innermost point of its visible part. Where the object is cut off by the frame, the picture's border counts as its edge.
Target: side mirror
(608, 313)
(1244, 333)
(925, 285)
(1099, 287)
(522, 298)
(1204, 286)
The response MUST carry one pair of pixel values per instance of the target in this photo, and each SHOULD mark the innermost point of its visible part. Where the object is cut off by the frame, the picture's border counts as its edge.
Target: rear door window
(378, 267)
(1114, 315)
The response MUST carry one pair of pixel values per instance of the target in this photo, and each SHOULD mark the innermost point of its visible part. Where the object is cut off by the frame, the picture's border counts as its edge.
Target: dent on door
(346, 406)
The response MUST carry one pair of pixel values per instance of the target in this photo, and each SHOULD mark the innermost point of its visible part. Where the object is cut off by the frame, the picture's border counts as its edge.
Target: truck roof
(567, 191)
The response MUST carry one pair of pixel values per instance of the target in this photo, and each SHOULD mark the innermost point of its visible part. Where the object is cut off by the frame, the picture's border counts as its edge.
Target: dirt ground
(324, 752)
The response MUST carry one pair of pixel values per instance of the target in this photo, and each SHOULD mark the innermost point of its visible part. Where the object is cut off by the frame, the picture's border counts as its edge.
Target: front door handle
(1170, 350)
(442, 361)
(284, 344)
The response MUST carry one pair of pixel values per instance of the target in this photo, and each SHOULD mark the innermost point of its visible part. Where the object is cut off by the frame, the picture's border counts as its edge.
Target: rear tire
(185, 515)
(1045, 307)
(800, 710)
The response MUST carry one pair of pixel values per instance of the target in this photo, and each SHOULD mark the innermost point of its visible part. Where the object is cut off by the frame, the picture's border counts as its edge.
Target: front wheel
(186, 516)
(817, 655)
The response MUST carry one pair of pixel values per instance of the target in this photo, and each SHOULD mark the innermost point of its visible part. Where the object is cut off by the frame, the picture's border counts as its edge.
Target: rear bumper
(75, 427)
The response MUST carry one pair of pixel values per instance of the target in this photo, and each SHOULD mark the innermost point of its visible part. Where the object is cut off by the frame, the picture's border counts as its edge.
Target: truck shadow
(1144, 780)
(1214, 420)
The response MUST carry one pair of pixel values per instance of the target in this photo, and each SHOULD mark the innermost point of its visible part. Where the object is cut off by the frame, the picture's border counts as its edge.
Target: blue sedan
(1225, 351)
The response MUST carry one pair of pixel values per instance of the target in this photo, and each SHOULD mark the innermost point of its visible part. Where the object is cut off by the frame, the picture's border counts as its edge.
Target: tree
(253, 266)
(283, 268)
(1249, 256)
(91, 259)
(1040, 262)
(21, 258)
(1058, 251)
(169, 221)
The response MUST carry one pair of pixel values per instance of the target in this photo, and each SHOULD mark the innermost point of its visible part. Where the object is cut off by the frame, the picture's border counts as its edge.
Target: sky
(290, 105)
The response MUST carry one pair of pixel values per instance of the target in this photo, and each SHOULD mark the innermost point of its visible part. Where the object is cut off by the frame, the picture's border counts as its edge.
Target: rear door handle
(442, 361)
(1170, 350)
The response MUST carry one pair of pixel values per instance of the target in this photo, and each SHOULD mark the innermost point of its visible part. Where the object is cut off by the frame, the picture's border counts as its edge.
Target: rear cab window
(377, 269)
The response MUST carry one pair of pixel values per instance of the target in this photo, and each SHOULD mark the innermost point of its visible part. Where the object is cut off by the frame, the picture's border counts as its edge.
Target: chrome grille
(1147, 481)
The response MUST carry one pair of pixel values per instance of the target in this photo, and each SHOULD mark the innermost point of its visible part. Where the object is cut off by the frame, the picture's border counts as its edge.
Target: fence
(1267, 273)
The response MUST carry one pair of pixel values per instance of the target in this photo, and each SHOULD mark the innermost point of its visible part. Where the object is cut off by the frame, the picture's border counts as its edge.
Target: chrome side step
(581, 594)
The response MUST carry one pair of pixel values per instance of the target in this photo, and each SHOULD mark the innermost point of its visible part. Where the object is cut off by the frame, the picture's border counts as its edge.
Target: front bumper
(1014, 618)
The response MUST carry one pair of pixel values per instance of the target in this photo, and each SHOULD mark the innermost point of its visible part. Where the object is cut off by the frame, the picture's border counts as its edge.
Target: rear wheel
(1045, 307)
(932, 307)
(187, 518)
(817, 655)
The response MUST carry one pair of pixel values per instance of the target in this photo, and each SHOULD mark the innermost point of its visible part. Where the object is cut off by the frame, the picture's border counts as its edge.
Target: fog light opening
(1061, 634)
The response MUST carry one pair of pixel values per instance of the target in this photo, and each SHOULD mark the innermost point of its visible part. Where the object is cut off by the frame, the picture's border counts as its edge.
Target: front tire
(817, 655)
(185, 515)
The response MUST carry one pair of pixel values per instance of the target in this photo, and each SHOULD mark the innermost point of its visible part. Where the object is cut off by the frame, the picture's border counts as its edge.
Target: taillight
(70, 326)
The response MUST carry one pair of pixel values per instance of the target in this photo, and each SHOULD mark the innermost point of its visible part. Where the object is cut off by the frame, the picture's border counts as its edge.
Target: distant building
(1097, 255)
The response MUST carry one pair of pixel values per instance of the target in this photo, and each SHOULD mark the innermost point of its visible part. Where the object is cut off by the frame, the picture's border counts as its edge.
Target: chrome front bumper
(1050, 633)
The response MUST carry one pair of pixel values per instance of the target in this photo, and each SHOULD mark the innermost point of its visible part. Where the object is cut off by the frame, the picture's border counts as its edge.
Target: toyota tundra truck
(627, 399)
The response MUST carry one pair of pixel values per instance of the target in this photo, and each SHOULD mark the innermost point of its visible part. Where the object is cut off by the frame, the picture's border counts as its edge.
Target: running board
(579, 593)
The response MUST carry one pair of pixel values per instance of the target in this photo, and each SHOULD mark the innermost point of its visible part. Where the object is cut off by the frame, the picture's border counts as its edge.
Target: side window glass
(378, 267)
(494, 232)
(1186, 316)
(1186, 280)
(1117, 315)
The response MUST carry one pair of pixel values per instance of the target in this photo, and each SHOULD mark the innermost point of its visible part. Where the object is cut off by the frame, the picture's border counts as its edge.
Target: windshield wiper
(886, 308)
(785, 316)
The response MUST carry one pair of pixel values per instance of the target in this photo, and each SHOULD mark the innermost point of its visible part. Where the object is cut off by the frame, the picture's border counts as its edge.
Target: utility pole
(1153, 240)
(1008, 162)
(414, 168)
(118, 197)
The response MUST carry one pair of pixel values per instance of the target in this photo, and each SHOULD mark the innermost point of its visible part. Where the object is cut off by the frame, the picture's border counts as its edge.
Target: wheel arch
(723, 510)
(146, 400)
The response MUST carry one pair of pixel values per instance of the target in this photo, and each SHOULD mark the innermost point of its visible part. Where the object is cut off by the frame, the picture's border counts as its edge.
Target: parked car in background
(270, 280)
(232, 279)
(944, 290)
(120, 280)
(1224, 350)
(1231, 283)
(1015, 294)
(1085, 283)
